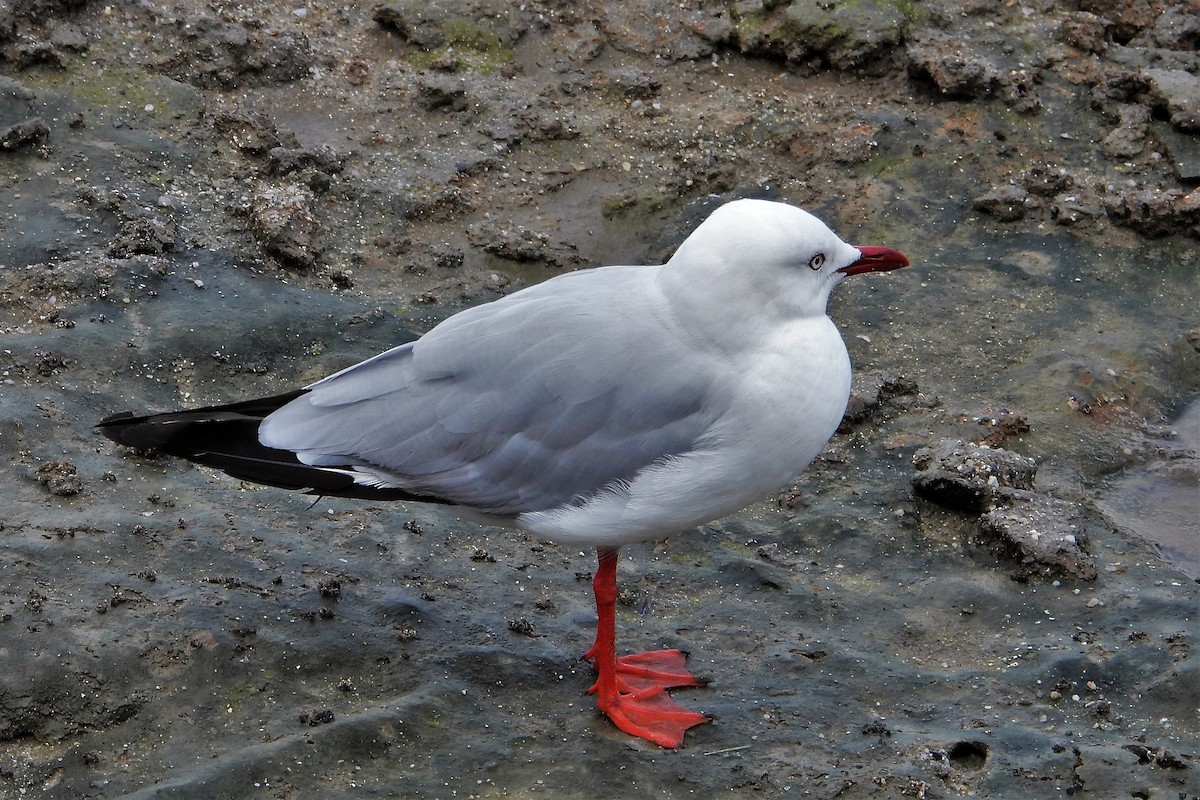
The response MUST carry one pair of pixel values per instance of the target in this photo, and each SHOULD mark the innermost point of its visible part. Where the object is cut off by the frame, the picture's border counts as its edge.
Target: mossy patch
(647, 201)
(467, 47)
(848, 35)
(123, 88)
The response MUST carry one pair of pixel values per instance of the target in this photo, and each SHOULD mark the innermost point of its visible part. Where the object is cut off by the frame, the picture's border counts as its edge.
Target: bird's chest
(793, 393)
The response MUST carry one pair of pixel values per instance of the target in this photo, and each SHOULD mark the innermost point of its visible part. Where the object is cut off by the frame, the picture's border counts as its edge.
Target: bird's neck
(723, 310)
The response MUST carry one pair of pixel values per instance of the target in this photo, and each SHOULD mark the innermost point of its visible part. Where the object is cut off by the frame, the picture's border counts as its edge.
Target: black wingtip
(176, 432)
(226, 438)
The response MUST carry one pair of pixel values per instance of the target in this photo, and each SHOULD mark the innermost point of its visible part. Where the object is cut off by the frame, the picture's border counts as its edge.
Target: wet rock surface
(970, 477)
(1047, 536)
(1041, 534)
(202, 203)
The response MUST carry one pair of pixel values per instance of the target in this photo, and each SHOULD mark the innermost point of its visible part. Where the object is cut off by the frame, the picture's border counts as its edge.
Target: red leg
(631, 690)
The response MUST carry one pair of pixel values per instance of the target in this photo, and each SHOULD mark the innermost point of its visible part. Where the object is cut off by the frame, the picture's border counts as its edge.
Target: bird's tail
(226, 437)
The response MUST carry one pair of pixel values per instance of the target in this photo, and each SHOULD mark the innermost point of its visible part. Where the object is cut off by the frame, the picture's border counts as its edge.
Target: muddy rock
(970, 69)
(1176, 28)
(29, 133)
(434, 25)
(1116, 86)
(1000, 425)
(855, 143)
(872, 392)
(149, 231)
(1019, 90)
(1156, 212)
(1178, 92)
(672, 33)
(1005, 203)
(66, 36)
(1129, 17)
(143, 230)
(282, 218)
(523, 244)
(1128, 139)
(25, 16)
(1047, 180)
(442, 93)
(969, 477)
(60, 478)
(953, 66)
(212, 52)
(322, 158)
(16, 101)
(1183, 149)
(846, 36)
(457, 35)
(634, 84)
(20, 127)
(249, 130)
(1086, 31)
(144, 235)
(48, 365)
(1077, 208)
(1045, 535)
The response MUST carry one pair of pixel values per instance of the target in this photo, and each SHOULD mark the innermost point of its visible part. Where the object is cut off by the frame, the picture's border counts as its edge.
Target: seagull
(601, 407)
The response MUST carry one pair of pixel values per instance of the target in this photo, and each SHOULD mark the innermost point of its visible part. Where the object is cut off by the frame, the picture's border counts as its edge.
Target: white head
(772, 255)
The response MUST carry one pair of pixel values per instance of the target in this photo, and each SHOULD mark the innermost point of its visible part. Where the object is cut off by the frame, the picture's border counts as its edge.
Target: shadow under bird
(598, 408)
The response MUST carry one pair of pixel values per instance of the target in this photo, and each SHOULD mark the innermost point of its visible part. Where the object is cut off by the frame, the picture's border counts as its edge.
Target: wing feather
(524, 404)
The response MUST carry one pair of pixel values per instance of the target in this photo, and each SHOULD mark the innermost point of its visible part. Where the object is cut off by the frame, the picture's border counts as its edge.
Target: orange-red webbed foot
(652, 715)
(639, 704)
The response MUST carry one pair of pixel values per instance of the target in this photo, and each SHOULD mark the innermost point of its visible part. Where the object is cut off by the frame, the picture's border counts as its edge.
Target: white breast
(789, 396)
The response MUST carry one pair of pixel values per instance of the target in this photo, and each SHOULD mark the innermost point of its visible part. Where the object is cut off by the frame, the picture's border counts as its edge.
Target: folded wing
(529, 403)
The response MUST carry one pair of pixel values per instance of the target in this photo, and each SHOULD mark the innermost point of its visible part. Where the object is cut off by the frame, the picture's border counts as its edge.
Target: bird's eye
(816, 262)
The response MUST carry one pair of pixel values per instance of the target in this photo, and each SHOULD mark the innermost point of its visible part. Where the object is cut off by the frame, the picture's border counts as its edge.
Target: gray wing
(533, 401)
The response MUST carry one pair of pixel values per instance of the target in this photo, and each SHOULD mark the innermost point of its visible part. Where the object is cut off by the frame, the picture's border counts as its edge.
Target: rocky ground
(985, 587)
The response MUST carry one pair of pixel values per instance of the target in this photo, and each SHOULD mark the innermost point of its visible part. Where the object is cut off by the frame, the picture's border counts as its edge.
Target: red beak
(876, 259)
